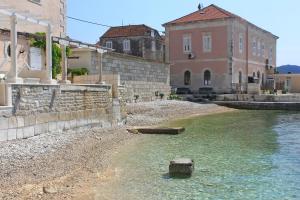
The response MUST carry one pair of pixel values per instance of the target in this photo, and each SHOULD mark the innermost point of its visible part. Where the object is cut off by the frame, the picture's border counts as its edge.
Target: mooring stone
(181, 167)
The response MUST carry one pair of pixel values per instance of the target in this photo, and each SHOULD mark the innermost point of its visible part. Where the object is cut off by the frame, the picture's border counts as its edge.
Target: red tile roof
(127, 31)
(208, 13)
(211, 12)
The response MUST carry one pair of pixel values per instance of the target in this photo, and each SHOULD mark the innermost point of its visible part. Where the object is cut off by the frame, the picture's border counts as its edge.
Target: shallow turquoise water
(239, 155)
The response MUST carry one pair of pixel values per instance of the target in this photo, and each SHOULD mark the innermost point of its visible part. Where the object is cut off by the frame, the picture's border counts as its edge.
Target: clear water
(239, 155)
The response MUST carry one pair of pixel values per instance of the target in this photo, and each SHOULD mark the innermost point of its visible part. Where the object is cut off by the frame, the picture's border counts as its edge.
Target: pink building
(215, 48)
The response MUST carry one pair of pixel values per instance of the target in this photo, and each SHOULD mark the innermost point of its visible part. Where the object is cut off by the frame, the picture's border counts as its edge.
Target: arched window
(258, 74)
(240, 77)
(253, 74)
(187, 78)
(9, 50)
(207, 77)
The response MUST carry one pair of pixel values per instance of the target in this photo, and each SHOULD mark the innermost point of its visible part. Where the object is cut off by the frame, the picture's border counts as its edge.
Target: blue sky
(282, 18)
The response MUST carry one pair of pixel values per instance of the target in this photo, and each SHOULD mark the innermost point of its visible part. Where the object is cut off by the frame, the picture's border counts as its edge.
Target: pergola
(14, 17)
(74, 43)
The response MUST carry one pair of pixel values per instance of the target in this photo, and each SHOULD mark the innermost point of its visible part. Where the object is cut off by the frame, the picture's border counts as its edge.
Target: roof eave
(196, 21)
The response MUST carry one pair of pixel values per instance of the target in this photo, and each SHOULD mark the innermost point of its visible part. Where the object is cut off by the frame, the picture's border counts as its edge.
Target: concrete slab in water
(167, 131)
(181, 167)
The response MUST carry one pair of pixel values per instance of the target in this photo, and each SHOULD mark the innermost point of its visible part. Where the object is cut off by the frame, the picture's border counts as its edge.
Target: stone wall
(141, 77)
(39, 109)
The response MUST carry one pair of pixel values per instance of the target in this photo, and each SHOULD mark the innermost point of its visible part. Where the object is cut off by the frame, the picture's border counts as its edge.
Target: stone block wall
(141, 77)
(39, 109)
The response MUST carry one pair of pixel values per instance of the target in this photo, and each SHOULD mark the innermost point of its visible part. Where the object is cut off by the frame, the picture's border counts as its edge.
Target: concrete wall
(291, 82)
(85, 58)
(39, 109)
(51, 10)
(140, 77)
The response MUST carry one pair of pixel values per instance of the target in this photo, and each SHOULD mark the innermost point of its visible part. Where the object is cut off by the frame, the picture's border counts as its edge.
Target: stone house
(53, 11)
(137, 40)
(31, 61)
(288, 82)
(26, 63)
(218, 49)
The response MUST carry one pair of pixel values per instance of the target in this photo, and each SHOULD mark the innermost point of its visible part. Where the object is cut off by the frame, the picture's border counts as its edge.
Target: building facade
(53, 11)
(31, 61)
(136, 40)
(215, 48)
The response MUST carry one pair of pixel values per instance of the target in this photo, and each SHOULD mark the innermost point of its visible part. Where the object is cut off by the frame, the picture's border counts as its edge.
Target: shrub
(285, 91)
(78, 71)
(136, 97)
(174, 96)
(161, 95)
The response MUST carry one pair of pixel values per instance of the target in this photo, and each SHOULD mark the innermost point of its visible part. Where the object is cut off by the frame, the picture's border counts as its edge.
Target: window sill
(37, 3)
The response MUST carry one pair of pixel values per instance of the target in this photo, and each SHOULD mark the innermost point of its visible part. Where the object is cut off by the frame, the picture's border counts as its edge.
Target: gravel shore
(65, 165)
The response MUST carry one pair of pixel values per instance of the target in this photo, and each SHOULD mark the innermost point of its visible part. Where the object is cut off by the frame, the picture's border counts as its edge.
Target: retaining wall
(39, 109)
(141, 77)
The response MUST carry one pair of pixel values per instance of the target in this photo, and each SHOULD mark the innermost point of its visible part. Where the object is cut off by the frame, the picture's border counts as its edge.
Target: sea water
(238, 155)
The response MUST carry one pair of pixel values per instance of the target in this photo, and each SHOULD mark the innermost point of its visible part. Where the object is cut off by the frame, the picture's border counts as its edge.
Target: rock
(49, 190)
(133, 131)
(181, 167)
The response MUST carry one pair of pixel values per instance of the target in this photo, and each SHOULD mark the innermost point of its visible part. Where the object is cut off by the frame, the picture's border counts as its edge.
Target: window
(258, 48)
(241, 43)
(187, 78)
(152, 33)
(254, 47)
(35, 1)
(7, 52)
(263, 49)
(271, 56)
(207, 43)
(258, 74)
(109, 44)
(35, 58)
(153, 46)
(187, 44)
(126, 45)
(240, 77)
(207, 78)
